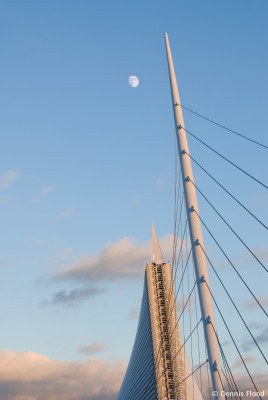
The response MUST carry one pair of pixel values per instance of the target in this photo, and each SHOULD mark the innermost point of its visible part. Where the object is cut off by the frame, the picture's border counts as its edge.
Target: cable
(196, 327)
(229, 226)
(198, 338)
(177, 262)
(177, 292)
(226, 363)
(170, 289)
(173, 358)
(178, 384)
(183, 309)
(225, 158)
(232, 339)
(231, 263)
(208, 375)
(169, 316)
(176, 200)
(230, 194)
(158, 361)
(190, 320)
(222, 384)
(200, 366)
(226, 291)
(222, 126)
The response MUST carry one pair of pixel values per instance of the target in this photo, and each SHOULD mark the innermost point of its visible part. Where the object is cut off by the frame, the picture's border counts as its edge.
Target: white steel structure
(171, 362)
(195, 232)
(159, 368)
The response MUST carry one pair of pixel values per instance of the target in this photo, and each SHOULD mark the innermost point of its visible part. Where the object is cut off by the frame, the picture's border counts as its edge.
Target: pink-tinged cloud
(120, 260)
(253, 304)
(8, 178)
(32, 376)
(248, 360)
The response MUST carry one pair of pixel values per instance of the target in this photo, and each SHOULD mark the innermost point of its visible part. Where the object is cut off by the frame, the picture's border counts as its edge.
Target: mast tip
(157, 257)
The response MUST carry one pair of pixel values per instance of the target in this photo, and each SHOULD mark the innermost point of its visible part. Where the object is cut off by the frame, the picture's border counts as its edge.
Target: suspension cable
(238, 273)
(243, 361)
(222, 126)
(200, 366)
(198, 338)
(158, 360)
(225, 158)
(225, 362)
(228, 294)
(227, 191)
(229, 226)
(183, 345)
(179, 383)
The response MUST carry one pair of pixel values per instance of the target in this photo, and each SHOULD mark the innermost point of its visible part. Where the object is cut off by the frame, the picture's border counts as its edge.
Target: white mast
(196, 236)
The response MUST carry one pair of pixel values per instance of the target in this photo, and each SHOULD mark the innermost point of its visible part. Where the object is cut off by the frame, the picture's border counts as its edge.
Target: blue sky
(87, 163)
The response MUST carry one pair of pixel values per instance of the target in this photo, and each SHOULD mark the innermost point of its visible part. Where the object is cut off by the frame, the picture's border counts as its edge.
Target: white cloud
(8, 178)
(32, 376)
(121, 260)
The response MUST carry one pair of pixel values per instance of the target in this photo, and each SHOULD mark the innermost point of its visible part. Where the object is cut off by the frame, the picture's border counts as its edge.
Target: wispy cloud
(73, 297)
(134, 313)
(160, 183)
(248, 360)
(242, 381)
(46, 190)
(244, 384)
(253, 304)
(93, 348)
(29, 375)
(124, 259)
(66, 214)
(3, 199)
(8, 178)
(261, 339)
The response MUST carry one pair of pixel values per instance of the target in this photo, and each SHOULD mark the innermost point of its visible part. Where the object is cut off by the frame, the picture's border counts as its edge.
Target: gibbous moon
(133, 81)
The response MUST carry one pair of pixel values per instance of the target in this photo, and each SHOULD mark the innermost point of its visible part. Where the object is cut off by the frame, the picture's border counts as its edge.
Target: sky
(87, 164)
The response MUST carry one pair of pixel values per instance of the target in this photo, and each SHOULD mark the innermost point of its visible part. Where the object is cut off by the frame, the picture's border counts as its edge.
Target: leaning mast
(196, 236)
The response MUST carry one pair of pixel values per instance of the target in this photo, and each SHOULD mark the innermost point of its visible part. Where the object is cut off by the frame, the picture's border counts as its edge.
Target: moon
(133, 81)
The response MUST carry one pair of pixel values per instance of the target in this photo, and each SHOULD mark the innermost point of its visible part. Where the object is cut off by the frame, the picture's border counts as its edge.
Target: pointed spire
(157, 257)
